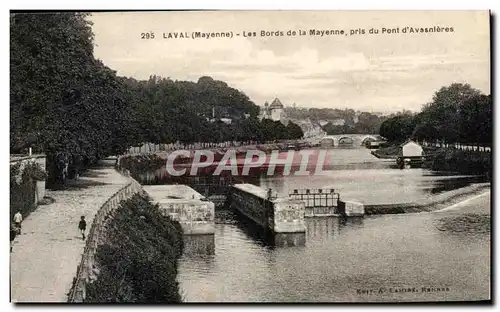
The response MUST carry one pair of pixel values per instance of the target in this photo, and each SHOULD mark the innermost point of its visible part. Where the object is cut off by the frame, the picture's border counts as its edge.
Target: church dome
(276, 104)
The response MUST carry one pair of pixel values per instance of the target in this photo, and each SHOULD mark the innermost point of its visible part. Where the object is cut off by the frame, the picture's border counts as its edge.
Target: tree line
(366, 123)
(67, 104)
(457, 113)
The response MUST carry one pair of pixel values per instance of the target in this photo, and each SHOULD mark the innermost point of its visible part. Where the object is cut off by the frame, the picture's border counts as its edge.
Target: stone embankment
(86, 271)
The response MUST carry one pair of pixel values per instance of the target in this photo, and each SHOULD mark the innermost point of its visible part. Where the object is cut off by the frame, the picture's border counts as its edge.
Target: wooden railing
(86, 271)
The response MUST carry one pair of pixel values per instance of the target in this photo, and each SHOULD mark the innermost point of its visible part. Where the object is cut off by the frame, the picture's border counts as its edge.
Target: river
(377, 258)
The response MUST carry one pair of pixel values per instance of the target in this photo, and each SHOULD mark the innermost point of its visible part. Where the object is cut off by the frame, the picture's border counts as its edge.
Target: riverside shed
(410, 149)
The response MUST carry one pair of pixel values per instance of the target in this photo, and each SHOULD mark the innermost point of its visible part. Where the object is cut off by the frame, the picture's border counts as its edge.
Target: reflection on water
(199, 244)
(369, 180)
(338, 260)
(347, 260)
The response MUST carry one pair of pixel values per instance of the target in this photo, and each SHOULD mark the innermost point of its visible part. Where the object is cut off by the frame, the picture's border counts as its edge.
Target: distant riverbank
(446, 159)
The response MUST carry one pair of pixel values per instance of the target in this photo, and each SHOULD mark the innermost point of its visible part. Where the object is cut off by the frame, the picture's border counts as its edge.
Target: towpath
(45, 257)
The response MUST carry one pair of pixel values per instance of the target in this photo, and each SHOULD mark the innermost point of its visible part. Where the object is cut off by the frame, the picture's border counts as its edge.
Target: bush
(468, 162)
(138, 263)
(23, 177)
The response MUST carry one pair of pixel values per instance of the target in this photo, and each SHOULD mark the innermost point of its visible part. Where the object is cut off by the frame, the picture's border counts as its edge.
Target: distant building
(411, 149)
(276, 109)
(410, 155)
(275, 112)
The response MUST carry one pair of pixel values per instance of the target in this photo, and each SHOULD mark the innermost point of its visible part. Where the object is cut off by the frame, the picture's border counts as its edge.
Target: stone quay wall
(191, 209)
(280, 215)
(351, 208)
(86, 272)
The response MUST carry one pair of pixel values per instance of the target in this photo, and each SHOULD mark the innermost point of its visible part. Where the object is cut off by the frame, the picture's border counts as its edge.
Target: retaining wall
(280, 215)
(185, 205)
(86, 272)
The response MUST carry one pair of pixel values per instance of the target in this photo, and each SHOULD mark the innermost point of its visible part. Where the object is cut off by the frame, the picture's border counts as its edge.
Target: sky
(370, 72)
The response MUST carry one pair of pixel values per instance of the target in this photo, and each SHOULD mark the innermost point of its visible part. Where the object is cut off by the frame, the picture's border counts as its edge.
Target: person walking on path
(82, 225)
(13, 234)
(18, 218)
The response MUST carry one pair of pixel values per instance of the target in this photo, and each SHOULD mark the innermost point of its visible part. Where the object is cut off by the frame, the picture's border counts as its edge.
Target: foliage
(397, 128)
(138, 263)
(67, 104)
(457, 114)
(170, 111)
(35, 171)
(442, 115)
(467, 162)
(293, 131)
(63, 100)
(475, 120)
(22, 191)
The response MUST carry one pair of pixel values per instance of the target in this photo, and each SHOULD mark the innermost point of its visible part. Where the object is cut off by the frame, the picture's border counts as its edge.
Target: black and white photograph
(273, 156)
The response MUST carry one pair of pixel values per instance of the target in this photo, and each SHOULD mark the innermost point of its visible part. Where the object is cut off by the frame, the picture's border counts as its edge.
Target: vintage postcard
(250, 156)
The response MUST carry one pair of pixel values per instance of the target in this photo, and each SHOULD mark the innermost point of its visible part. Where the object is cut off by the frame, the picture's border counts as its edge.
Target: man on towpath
(82, 225)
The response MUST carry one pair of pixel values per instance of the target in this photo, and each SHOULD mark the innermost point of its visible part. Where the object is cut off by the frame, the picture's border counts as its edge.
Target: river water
(377, 258)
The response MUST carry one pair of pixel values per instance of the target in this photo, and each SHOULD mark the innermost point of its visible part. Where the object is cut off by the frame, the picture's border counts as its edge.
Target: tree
(294, 131)
(444, 110)
(63, 101)
(475, 124)
(398, 129)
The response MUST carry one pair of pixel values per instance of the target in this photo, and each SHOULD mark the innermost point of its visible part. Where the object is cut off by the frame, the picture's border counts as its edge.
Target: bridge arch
(346, 140)
(367, 138)
(327, 142)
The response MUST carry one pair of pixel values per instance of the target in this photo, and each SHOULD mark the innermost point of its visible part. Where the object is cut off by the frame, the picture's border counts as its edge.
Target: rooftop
(276, 104)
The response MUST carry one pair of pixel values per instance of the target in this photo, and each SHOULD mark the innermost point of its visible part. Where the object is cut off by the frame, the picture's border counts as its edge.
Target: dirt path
(45, 257)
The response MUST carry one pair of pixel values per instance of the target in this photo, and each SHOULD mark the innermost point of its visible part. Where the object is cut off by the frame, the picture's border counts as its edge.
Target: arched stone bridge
(348, 139)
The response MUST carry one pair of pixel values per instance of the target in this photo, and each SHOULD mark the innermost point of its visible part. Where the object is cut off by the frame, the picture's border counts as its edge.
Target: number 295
(148, 35)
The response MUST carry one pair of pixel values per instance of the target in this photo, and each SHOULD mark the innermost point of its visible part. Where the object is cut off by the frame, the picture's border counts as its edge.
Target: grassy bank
(138, 262)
